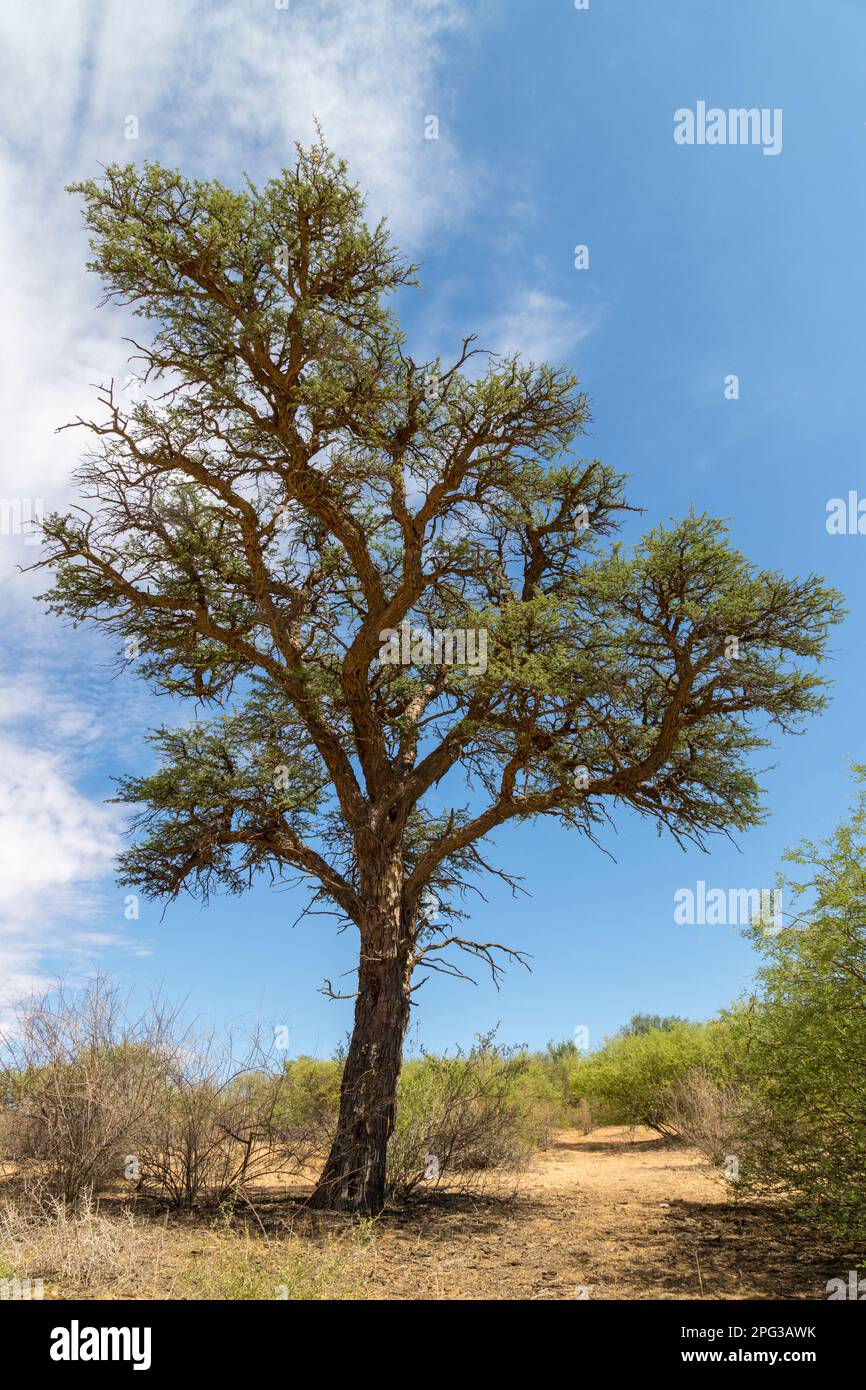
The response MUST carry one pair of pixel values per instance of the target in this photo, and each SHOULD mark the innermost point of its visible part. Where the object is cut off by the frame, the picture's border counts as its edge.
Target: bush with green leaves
(650, 1023)
(802, 1038)
(547, 1084)
(310, 1095)
(463, 1114)
(631, 1077)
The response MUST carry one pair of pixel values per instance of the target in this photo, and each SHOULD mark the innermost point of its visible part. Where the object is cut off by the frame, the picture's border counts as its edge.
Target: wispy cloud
(55, 847)
(540, 326)
(220, 89)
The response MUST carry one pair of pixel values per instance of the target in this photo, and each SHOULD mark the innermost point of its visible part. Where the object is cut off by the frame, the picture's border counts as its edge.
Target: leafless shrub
(219, 1126)
(704, 1112)
(584, 1118)
(93, 1095)
(80, 1078)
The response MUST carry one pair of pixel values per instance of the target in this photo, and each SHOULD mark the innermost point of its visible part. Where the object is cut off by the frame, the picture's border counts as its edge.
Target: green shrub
(310, 1097)
(802, 1040)
(630, 1078)
(459, 1115)
(546, 1088)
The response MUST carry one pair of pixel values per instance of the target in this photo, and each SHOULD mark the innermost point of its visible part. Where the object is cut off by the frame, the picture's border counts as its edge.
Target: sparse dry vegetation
(141, 1159)
(79, 1250)
(705, 1112)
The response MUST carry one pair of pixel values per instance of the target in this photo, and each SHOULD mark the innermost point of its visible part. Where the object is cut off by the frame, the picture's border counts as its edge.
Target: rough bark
(354, 1176)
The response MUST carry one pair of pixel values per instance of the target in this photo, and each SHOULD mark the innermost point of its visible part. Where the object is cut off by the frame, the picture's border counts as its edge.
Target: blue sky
(556, 129)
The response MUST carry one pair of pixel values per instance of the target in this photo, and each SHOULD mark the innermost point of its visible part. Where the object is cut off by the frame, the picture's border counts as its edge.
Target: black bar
(247, 1337)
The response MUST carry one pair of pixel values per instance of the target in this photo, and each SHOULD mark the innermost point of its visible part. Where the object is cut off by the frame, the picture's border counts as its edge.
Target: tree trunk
(353, 1178)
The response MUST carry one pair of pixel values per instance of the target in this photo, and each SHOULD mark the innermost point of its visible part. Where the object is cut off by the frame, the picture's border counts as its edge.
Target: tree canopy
(300, 485)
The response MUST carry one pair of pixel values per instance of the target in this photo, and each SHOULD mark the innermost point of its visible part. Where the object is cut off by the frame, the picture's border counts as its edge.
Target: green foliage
(468, 1112)
(802, 1037)
(631, 1076)
(647, 1023)
(548, 1078)
(311, 1098)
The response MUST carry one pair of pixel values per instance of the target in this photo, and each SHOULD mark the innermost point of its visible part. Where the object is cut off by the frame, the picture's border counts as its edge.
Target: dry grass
(76, 1250)
(241, 1266)
(109, 1250)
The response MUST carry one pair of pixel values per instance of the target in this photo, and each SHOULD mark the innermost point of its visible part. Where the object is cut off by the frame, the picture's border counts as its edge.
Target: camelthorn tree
(297, 488)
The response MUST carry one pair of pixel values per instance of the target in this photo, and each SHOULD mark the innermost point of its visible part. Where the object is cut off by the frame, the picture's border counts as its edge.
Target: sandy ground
(616, 1214)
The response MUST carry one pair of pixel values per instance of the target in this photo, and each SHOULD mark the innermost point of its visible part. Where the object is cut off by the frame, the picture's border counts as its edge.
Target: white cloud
(55, 846)
(539, 326)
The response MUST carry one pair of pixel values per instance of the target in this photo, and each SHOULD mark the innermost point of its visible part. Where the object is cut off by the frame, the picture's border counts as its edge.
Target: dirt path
(616, 1214)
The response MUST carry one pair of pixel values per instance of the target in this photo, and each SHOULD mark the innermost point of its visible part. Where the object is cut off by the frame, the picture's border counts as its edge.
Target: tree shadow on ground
(610, 1146)
(736, 1250)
